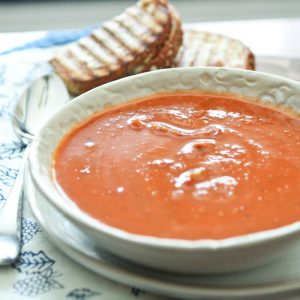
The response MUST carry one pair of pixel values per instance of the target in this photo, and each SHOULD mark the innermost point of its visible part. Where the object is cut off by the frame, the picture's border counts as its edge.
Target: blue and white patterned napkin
(42, 271)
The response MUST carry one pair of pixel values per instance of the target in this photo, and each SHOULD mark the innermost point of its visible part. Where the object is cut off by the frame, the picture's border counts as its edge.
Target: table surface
(271, 38)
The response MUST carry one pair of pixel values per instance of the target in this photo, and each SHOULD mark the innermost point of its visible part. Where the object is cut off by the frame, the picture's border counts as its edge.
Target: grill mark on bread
(125, 38)
(205, 46)
(112, 45)
(145, 19)
(137, 29)
(102, 69)
(155, 27)
(132, 33)
(214, 50)
(189, 55)
(228, 50)
(165, 56)
(240, 60)
(88, 62)
(84, 57)
(151, 7)
(98, 52)
(202, 56)
(156, 58)
(72, 65)
(218, 49)
(179, 56)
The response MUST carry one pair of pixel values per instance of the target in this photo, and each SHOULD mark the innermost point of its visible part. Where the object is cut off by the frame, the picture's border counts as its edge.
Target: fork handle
(11, 212)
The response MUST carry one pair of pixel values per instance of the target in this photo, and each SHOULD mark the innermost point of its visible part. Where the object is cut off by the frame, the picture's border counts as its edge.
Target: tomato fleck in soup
(185, 166)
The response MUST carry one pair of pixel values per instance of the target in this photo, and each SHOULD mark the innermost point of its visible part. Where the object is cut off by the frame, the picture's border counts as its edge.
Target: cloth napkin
(42, 271)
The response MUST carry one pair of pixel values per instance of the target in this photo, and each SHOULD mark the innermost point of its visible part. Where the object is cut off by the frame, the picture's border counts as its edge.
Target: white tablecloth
(43, 272)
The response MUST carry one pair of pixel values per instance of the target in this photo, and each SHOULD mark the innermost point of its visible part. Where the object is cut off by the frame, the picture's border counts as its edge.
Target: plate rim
(156, 286)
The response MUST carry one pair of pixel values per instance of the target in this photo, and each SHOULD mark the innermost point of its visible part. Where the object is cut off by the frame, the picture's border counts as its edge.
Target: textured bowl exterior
(202, 256)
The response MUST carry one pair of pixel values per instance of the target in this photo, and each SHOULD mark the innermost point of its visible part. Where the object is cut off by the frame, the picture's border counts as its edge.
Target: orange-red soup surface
(185, 166)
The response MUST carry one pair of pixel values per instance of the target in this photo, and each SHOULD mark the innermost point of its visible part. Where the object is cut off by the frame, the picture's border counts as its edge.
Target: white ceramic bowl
(201, 256)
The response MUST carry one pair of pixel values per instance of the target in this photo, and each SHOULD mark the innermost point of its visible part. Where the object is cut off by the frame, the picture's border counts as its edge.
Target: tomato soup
(186, 166)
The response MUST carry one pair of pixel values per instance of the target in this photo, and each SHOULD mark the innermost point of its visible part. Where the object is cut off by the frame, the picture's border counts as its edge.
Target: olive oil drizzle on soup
(186, 166)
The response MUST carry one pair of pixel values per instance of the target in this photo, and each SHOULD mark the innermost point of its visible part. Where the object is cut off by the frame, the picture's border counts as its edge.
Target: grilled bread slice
(209, 49)
(117, 48)
(164, 58)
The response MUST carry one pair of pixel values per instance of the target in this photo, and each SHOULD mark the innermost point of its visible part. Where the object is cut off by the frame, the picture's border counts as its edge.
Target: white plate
(275, 281)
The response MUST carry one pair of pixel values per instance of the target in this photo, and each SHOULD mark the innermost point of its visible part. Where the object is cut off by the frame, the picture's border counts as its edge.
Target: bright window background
(39, 15)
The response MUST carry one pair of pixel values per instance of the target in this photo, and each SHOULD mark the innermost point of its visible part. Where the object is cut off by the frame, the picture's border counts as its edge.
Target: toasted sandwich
(145, 36)
(209, 49)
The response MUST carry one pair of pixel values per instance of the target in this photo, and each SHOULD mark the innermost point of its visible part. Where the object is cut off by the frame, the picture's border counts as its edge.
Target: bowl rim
(78, 216)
